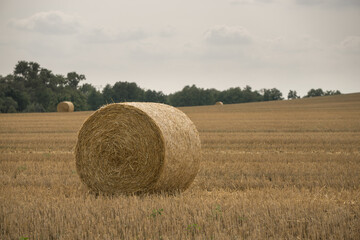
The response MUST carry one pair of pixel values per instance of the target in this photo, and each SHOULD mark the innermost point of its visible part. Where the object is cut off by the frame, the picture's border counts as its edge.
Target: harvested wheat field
(270, 170)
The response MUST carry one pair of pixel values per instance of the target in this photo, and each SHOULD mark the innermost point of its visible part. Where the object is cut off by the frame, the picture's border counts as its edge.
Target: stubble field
(271, 170)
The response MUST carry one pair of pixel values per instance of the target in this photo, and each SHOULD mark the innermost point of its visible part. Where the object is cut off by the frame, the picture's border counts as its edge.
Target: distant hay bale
(65, 107)
(219, 103)
(126, 148)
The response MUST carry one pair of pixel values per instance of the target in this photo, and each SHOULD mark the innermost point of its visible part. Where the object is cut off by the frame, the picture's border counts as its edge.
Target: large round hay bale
(219, 103)
(137, 148)
(65, 106)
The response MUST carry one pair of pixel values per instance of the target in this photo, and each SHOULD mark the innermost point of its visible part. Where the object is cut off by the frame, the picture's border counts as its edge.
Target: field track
(270, 170)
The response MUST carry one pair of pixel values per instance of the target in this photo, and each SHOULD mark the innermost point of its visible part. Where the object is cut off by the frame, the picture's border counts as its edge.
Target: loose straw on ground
(126, 148)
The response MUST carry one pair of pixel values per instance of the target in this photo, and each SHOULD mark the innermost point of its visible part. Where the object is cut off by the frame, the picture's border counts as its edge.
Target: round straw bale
(65, 107)
(219, 103)
(126, 148)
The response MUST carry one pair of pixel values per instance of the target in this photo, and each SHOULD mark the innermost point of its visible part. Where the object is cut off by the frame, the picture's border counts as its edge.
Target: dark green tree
(332, 92)
(15, 90)
(8, 105)
(251, 96)
(95, 100)
(271, 94)
(188, 96)
(232, 95)
(87, 89)
(292, 95)
(108, 94)
(154, 96)
(73, 79)
(127, 92)
(27, 71)
(42, 90)
(315, 92)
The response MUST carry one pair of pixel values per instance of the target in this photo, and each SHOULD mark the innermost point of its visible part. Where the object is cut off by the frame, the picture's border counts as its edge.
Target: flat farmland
(270, 170)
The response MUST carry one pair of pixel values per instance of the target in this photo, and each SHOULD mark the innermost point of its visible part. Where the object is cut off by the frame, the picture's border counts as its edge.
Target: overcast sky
(167, 44)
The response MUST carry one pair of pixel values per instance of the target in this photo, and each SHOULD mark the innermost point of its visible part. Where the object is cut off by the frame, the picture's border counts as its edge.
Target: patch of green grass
(156, 212)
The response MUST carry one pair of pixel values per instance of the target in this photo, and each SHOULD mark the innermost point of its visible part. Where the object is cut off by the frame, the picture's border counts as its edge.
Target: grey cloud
(238, 2)
(329, 2)
(351, 43)
(292, 45)
(52, 22)
(59, 23)
(102, 35)
(227, 35)
(167, 32)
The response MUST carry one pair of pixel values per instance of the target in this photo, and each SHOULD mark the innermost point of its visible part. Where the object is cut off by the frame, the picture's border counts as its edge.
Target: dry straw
(65, 107)
(219, 103)
(126, 148)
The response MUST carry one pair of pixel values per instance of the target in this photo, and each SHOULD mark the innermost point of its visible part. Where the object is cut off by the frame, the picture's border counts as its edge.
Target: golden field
(270, 170)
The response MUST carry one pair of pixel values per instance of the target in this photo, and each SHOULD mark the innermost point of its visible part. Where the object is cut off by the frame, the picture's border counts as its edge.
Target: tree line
(31, 88)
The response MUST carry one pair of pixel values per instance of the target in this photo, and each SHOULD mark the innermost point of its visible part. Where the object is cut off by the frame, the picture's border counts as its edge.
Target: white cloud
(227, 35)
(52, 22)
